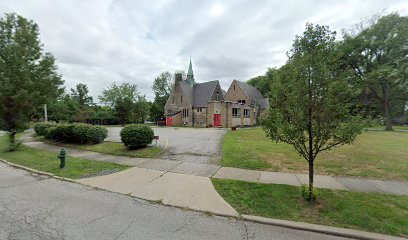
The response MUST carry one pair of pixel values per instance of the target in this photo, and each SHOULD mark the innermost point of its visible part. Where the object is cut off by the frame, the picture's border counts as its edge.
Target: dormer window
(217, 98)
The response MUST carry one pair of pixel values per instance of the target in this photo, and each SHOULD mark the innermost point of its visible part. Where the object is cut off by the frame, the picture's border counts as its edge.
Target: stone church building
(208, 105)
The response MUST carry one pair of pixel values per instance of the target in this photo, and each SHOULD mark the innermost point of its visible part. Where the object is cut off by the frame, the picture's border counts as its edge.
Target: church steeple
(190, 74)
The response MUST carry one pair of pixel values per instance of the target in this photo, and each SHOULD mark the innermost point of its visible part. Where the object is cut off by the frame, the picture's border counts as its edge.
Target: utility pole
(45, 113)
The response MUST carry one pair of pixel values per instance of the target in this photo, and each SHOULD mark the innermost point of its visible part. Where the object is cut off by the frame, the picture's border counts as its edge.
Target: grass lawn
(113, 148)
(48, 162)
(374, 154)
(371, 212)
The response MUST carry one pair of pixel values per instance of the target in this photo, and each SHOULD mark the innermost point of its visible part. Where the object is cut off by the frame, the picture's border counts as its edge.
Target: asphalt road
(197, 145)
(36, 207)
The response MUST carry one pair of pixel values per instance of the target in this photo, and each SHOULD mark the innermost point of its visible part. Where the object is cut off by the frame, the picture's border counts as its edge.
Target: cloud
(99, 42)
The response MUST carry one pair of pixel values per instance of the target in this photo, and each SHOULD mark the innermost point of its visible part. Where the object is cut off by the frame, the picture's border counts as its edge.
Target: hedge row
(72, 133)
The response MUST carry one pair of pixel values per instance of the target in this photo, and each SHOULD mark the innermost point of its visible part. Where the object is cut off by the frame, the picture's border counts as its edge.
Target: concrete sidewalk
(215, 171)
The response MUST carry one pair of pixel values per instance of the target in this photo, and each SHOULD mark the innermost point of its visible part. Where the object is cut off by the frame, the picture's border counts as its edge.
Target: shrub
(96, 134)
(41, 128)
(136, 136)
(76, 133)
(50, 133)
(80, 133)
(305, 193)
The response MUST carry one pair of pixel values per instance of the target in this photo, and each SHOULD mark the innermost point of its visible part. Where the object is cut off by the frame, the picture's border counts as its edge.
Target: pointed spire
(190, 70)
(190, 74)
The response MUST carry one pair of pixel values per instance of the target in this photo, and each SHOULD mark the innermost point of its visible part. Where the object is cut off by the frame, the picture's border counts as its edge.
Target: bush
(41, 128)
(96, 134)
(80, 133)
(51, 133)
(77, 133)
(136, 136)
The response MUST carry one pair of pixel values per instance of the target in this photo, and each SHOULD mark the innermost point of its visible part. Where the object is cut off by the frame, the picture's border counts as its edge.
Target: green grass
(371, 212)
(374, 154)
(396, 128)
(112, 148)
(48, 162)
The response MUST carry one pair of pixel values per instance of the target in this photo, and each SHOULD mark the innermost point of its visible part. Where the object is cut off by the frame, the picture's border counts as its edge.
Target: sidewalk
(215, 171)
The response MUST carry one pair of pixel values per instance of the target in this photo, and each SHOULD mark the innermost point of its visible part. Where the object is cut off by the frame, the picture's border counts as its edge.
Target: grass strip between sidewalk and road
(48, 162)
(111, 148)
(372, 212)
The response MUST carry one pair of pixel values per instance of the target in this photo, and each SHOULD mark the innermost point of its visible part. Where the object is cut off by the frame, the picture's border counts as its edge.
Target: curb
(341, 232)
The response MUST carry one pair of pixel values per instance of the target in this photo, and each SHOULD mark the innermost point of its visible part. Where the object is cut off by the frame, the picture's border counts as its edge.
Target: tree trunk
(12, 140)
(387, 108)
(311, 174)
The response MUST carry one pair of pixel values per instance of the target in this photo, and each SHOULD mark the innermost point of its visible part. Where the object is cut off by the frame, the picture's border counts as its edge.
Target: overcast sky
(99, 42)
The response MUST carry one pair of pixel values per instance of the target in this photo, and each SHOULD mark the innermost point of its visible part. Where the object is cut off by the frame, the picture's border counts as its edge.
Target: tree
(162, 88)
(80, 95)
(122, 99)
(310, 101)
(378, 56)
(263, 82)
(28, 76)
(141, 109)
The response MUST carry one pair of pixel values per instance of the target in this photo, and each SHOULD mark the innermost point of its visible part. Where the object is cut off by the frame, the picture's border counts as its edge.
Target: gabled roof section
(202, 93)
(253, 94)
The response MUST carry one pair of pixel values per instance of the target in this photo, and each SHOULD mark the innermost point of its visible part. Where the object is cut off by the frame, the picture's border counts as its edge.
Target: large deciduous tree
(378, 55)
(122, 99)
(263, 82)
(310, 101)
(161, 87)
(28, 76)
(80, 94)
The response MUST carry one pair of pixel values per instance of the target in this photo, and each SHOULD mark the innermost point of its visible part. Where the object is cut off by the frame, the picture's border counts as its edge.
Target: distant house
(208, 105)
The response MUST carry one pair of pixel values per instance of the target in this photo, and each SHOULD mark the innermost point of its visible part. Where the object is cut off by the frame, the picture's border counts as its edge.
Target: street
(37, 207)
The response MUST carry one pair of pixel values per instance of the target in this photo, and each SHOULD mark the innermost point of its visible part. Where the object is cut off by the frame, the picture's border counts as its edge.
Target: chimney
(178, 77)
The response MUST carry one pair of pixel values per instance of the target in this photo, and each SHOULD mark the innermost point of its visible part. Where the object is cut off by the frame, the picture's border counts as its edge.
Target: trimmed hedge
(41, 128)
(136, 136)
(74, 133)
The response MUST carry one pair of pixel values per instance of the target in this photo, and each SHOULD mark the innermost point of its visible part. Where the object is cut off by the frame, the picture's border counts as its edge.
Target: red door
(169, 121)
(217, 120)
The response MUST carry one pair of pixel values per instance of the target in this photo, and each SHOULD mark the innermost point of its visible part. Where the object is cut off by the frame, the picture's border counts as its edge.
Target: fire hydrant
(61, 156)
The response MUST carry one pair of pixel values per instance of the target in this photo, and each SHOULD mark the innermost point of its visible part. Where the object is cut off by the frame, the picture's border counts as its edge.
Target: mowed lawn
(48, 162)
(374, 154)
(373, 212)
(113, 148)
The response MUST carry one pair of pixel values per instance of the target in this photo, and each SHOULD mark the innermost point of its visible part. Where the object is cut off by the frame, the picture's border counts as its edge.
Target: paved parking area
(196, 145)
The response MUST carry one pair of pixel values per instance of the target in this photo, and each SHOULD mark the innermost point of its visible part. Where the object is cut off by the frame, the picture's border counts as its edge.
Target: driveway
(197, 145)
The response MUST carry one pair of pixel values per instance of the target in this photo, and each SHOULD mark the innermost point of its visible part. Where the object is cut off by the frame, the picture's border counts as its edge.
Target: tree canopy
(28, 75)
(377, 53)
(310, 100)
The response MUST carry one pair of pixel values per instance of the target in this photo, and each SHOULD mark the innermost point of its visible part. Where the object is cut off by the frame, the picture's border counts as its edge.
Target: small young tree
(309, 101)
(28, 76)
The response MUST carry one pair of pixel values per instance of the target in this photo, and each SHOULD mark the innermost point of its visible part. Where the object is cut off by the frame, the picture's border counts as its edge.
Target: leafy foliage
(73, 133)
(162, 88)
(377, 54)
(310, 101)
(28, 76)
(136, 136)
(41, 128)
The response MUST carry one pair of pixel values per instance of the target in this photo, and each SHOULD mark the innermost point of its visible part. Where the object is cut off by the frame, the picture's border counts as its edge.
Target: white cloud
(98, 42)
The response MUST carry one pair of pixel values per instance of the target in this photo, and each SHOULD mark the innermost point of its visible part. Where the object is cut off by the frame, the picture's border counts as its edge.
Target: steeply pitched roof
(253, 94)
(188, 91)
(202, 93)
